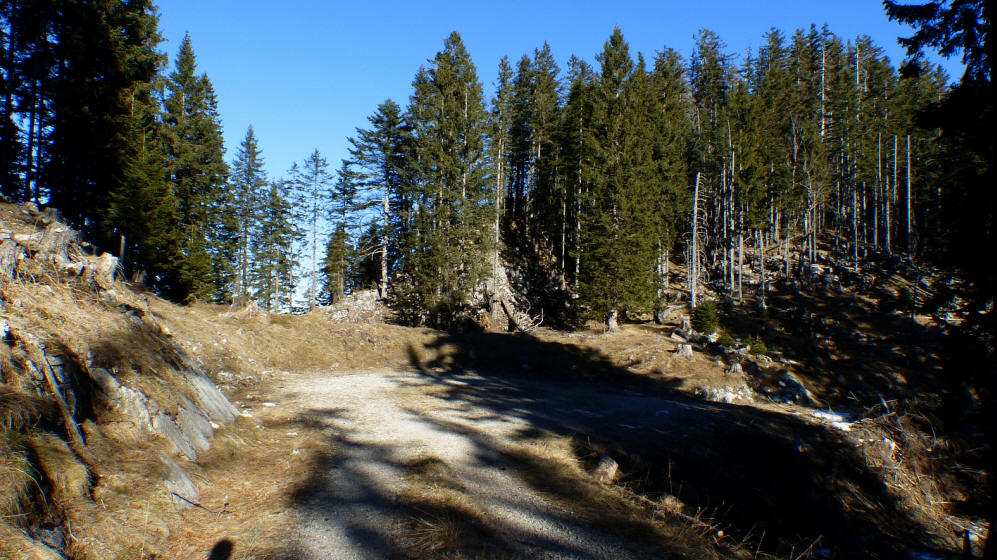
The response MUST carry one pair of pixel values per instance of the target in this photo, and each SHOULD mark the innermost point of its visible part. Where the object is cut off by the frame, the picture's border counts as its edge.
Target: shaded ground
(771, 473)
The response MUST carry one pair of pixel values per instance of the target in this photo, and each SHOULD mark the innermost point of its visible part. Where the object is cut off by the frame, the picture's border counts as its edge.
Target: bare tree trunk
(907, 237)
(740, 266)
(761, 267)
(855, 229)
(612, 324)
(385, 209)
(695, 243)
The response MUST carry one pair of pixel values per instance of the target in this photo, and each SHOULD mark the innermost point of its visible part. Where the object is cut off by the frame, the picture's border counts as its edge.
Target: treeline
(92, 122)
(578, 187)
(589, 183)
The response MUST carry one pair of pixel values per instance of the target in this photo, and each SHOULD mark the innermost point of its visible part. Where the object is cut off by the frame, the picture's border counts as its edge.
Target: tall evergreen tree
(670, 114)
(144, 207)
(196, 166)
(618, 272)
(247, 184)
(449, 259)
(102, 52)
(335, 265)
(376, 164)
(313, 182)
(578, 142)
(272, 273)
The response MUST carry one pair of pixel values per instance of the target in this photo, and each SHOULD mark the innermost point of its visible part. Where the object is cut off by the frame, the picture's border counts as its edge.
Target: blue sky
(307, 73)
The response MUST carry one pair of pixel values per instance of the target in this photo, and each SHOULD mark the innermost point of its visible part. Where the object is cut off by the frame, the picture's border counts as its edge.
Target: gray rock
(195, 427)
(132, 403)
(180, 484)
(210, 399)
(163, 425)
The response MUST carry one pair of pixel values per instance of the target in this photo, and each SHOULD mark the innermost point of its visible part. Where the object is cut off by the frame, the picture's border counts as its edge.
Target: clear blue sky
(307, 73)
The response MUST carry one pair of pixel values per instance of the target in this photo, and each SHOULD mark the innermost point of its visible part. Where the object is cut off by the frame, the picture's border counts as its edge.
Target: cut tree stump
(606, 470)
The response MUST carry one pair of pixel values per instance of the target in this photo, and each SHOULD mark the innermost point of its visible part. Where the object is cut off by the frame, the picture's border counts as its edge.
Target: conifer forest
(588, 180)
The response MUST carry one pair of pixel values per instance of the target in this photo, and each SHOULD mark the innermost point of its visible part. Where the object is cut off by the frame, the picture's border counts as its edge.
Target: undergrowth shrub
(905, 299)
(704, 317)
(757, 346)
(726, 340)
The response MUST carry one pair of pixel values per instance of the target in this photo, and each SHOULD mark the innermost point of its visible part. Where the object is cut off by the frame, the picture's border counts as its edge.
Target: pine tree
(618, 273)
(144, 206)
(577, 137)
(247, 184)
(102, 52)
(197, 170)
(710, 77)
(335, 265)
(273, 260)
(499, 134)
(11, 145)
(447, 259)
(312, 181)
(672, 133)
(376, 165)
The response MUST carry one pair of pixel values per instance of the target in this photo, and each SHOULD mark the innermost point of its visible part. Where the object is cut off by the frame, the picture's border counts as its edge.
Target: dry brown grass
(444, 520)
(562, 468)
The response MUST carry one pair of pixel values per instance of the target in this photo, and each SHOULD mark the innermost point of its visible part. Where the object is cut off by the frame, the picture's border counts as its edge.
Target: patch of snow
(839, 420)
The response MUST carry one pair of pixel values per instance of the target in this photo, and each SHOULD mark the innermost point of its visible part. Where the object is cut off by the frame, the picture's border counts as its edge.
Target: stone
(210, 399)
(163, 425)
(684, 351)
(179, 483)
(606, 470)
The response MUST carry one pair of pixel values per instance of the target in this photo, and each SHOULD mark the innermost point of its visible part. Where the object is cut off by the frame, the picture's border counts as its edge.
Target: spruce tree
(312, 181)
(448, 260)
(376, 167)
(272, 271)
(102, 51)
(144, 207)
(670, 115)
(196, 166)
(247, 184)
(618, 272)
(578, 139)
(335, 265)
(11, 145)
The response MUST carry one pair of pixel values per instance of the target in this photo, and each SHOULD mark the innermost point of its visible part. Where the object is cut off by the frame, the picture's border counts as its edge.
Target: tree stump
(606, 470)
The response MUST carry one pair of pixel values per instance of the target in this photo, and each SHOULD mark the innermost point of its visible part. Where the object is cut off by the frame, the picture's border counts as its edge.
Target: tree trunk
(385, 208)
(612, 324)
(694, 260)
(907, 213)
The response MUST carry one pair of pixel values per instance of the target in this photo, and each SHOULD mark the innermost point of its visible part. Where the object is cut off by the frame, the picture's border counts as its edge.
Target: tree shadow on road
(766, 472)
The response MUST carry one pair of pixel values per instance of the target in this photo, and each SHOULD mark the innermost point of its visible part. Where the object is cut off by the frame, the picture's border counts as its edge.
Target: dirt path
(382, 423)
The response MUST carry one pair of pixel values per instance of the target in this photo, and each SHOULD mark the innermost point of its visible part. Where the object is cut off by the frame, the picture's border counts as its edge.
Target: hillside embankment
(136, 428)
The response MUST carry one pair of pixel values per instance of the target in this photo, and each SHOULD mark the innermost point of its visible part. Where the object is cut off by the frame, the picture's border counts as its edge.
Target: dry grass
(562, 468)
(444, 520)
(17, 477)
(20, 410)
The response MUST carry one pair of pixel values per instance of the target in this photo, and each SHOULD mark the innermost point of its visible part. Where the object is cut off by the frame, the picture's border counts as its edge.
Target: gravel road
(382, 421)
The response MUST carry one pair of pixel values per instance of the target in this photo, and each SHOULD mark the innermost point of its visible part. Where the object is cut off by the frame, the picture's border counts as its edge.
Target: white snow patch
(839, 420)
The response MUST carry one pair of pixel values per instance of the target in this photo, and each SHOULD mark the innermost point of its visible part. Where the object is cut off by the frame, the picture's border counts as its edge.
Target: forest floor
(418, 443)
